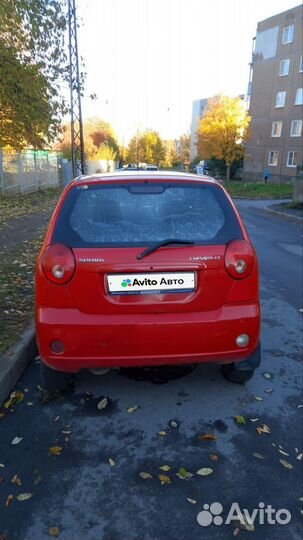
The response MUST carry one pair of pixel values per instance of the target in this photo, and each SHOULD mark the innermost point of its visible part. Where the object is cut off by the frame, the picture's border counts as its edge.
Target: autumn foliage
(223, 130)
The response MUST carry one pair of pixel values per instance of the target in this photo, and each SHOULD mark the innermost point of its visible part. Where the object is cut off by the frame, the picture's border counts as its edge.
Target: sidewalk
(272, 206)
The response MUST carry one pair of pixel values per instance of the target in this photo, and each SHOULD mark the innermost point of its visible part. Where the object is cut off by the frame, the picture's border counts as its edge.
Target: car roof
(141, 175)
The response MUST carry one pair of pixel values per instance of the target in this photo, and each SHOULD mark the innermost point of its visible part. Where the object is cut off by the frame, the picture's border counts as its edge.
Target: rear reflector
(58, 263)
(239, 259)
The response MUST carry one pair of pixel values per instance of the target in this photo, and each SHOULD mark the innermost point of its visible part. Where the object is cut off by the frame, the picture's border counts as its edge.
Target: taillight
(58, 263)
(239, 259)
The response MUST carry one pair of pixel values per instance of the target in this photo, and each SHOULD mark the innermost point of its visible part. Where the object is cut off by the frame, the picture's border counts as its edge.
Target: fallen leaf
(24, 496)
(240, 420)
(9, 500)
(299, 457)
(2, 414)
(258, 456)
(263, 429)
(254, 419)
(300, 499)
(16, 480)
(56, 419)
(207, 437)
(268, 391)
(301, 310)
(16, 440)
(245, 524)
(162, 433)
(236, 532)
(164, 479)
(192, 501)
(258, 398)
(173, 424)
(183, 474)
(165, 468)
(132, 409)
(55, 450)
(145, 475)
(286, 464)
(283, 453)
(15, 398)
(102, 404)
(267, 375)
(111, 462)
(213, 457)
(300, 406)
(38, 480)
(54, 531)
(205, 471)
(2, 465)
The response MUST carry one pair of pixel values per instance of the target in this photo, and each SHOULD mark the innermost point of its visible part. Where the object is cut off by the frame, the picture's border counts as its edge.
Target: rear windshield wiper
(166, 242)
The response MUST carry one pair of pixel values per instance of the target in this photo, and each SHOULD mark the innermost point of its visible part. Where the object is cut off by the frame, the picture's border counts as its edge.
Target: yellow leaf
(165, 468)
(55, 450)
(164, 479)
(16, 480)
(162, 433)
(132, 409)
(263, 429)
(54, 531)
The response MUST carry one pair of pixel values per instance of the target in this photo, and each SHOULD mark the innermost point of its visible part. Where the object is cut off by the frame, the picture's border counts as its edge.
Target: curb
(284, 215)
(14, 362)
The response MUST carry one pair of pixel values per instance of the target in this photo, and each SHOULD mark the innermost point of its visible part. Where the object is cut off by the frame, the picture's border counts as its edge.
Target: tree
(146, 148)
(223, 130)
(185, 149)
(100, 140)
(32, 68)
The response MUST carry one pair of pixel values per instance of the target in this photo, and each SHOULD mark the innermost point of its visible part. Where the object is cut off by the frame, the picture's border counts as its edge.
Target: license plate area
(151, 283)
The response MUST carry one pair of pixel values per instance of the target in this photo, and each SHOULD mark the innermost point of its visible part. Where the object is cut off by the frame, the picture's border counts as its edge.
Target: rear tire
(236, 375)
(55, 381)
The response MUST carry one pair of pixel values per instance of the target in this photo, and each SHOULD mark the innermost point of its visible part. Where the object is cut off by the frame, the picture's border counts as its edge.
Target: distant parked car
(144, 270)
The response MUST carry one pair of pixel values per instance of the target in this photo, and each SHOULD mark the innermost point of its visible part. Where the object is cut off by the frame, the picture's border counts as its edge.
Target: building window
(299, 97)
(284, 67)
(276, 129)
(280, 99)
(273, 158)
(292, 159)
(301, 64)
(288, 34)
(296, 128)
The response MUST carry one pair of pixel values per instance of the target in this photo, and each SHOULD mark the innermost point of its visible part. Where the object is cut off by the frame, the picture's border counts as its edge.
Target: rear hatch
(109, 226)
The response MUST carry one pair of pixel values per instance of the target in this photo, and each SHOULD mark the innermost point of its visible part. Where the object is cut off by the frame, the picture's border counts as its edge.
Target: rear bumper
(92, 341)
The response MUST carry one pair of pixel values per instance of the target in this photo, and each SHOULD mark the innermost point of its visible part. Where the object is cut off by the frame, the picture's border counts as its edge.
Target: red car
(146, 269)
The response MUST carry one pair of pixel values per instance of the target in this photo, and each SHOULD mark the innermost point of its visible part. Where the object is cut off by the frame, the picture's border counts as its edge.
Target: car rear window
(144, 213)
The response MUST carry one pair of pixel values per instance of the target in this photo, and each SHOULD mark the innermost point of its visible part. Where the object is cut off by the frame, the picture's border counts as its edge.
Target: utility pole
(77, 138)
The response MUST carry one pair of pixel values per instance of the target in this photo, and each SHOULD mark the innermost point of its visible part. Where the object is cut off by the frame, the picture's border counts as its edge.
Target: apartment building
(198, 111)
(275, 92)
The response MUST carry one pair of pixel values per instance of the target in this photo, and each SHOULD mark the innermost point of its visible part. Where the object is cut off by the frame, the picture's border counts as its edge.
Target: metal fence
(28, 171)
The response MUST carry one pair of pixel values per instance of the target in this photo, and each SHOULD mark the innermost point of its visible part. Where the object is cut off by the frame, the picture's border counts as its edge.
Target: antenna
(77, 138)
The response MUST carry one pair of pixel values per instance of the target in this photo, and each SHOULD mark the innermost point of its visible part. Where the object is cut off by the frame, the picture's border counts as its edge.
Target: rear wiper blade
(166, 242)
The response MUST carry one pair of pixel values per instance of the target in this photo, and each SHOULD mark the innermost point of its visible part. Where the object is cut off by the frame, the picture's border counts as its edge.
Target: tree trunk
(227, 176)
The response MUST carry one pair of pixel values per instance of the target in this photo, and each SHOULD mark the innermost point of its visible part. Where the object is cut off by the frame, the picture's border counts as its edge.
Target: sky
(147, 60)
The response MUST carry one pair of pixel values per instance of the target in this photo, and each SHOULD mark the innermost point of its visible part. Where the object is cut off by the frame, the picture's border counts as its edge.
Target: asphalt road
(85, 497)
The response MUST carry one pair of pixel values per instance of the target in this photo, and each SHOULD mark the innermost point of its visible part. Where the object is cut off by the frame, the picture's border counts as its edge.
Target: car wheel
(55, 381)
(236, 375)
